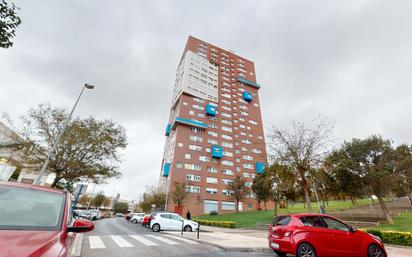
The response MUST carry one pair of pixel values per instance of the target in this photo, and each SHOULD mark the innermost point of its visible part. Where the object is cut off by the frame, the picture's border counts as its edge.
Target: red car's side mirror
(80, 226)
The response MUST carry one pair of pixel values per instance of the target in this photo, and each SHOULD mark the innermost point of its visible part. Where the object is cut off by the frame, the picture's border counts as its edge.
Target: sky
(347, 60)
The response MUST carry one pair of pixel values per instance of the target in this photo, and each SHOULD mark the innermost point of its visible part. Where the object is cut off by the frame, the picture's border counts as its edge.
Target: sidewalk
(255, 241)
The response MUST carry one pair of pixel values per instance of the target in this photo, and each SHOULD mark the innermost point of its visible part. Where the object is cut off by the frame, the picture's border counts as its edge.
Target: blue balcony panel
(247, 96)
(166, 169)
(168, 129)
(217, 151)
(260, 167)
(211, 110)
(248, 82)
(188, 122)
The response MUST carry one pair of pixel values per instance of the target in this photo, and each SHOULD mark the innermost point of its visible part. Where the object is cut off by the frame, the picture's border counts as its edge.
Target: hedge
(223, 224)
(393, 237)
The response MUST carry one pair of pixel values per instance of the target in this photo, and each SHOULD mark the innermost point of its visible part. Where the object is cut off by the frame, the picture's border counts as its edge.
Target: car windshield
(28, 209)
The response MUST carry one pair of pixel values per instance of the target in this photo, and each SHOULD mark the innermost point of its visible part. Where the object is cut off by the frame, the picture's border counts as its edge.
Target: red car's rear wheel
(305, 250)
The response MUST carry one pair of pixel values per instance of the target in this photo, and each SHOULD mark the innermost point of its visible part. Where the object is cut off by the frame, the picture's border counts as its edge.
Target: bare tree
(179, 193)
(302, 147)
(239, 190)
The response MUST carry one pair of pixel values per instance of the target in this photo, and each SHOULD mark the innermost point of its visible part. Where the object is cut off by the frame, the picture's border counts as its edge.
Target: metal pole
(317, 198)
(88, 206)
(182, 226)
(198, 230)
(57, 140)
(77, 197)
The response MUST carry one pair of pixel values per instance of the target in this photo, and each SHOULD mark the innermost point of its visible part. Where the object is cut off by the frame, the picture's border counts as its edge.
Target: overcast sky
(348, 60)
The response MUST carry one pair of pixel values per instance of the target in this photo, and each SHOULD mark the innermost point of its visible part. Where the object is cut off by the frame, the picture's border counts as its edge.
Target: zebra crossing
(125, 241)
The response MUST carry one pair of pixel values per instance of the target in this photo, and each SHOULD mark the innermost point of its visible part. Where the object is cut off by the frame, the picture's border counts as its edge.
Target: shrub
(223, 224)
(213, 213)
(393, 237)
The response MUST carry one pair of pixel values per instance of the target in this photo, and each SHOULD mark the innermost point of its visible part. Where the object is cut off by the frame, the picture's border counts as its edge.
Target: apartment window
(228, 122)
(247, 157)
(191, 177)
(204, 159)
(226, 181)
(253, 122)
(213, 125)
(212, 141)
(227, 129)
(244, 113)
(227, 154)
(227, 115)
(195, 148)
(179, 164)
(226, 108)
(244, 149)
(248, 166)
(228, 145)
(237, 168)
(198, 100)
(260, 137)
(197, 130)
(211, 190)
(241, 119)
(211, 133)
(226, 102)
(201, 115)
(185, 103)
(248, 184)
(246, 175)
(227, 163)
(227, 172)
(227, 137)
(187, 156)
(212, 169)
(242, 126)
(195, 167)
(191, 113)
(211, 180)
(250, 206)
(246, 141)
(227, 192)
(257, 151)
(196, 138)
(230, 206)
(198, 107)
(237, 159)
(193, 189)
(180, 144)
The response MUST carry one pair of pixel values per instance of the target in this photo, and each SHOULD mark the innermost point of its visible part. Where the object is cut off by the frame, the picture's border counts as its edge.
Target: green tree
(179, 193)
(239, 190)
(301, 147)
(373, 161)
(88, 148)
(9, 21)
(146, 202)
(84, 200)
(403, 174)
(282, 181)
(106, 202)
(98, 200)
(261, 187)
(120, 208)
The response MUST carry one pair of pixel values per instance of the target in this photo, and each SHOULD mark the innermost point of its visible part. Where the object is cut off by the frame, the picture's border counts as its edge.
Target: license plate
(275, 245)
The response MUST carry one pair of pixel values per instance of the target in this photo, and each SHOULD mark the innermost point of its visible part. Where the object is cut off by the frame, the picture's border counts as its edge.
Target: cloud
(349, 60)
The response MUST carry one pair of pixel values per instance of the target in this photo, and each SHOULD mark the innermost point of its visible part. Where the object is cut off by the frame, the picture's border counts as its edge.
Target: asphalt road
(116, 237)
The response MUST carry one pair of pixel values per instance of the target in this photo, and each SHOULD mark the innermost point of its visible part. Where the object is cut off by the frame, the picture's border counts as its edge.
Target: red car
(37, 221)
(312, 235)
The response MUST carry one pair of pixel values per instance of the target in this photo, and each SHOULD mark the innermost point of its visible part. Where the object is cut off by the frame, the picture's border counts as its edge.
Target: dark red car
(312, 235)
(37, 221)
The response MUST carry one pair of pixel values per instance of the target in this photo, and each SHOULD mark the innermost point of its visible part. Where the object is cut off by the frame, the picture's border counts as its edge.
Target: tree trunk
(385, 210)
(276, 208)
(410, 198)
(287, 205)
(352, 200)
(265, 206)
(237, 206)
(305, 188)
(55, 181)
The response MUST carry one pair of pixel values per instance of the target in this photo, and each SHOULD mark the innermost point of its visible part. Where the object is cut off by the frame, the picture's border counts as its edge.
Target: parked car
(84, 214)
(171, 221)
(37, 221)
(137, 217)
(95, 215)
(310, 235)
(129, 215)
(119, 214)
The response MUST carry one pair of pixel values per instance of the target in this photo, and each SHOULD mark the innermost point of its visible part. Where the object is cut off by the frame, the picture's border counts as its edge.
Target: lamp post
(59, 135)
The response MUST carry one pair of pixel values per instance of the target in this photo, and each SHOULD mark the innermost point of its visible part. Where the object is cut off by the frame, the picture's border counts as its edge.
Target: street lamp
(57, 139)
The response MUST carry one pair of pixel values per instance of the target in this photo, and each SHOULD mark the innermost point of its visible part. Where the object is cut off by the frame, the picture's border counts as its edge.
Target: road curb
(228, 248)
(77, 246)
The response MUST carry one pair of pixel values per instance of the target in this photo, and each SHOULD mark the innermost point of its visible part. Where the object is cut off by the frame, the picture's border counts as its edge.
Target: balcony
(260, 167)
(211, 110)
(168, 129)
(217, 151)
(192, 123)
(166, 169)
(248, 82)
(247, 96)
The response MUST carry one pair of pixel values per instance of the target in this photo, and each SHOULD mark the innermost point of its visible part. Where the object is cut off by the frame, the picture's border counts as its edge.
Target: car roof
(298, 215)
(30, 187)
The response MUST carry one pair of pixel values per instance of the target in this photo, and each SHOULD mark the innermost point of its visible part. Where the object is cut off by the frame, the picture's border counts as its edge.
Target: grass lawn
(250, 218)
(402, 223)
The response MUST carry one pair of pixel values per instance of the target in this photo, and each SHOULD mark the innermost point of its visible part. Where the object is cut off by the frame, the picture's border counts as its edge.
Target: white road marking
(96, 242)
(164, 240)
(121, 242)
(143, 240)
(183, 239)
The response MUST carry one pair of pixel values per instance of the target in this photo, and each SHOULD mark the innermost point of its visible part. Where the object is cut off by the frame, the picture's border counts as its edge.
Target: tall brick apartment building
(215, 129)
